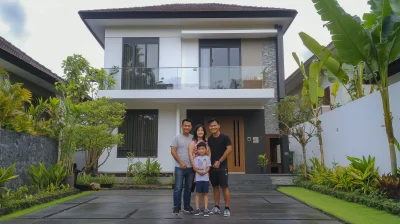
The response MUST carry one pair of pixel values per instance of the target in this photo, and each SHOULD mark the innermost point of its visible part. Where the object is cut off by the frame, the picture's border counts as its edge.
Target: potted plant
(83, 182)
(263, 162)
(106, 181)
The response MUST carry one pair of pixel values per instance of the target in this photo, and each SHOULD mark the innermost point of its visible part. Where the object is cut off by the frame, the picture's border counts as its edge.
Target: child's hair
(201, 144)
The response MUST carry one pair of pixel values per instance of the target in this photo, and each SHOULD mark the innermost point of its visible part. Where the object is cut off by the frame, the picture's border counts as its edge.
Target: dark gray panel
(253, 127)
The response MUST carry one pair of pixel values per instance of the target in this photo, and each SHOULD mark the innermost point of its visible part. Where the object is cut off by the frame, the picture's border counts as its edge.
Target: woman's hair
(195, 137)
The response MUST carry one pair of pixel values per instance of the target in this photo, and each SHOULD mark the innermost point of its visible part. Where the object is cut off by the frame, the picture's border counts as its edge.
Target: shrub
(384, 204)
(7, 174)
(42, 178)
(342, 179)
(142, 180)
(105, 179)
(365, 174)
(84, 179)
(389, 185)
(319, 173)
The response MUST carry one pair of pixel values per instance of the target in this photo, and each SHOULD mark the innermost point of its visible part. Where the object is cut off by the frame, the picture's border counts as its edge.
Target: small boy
(202, 167)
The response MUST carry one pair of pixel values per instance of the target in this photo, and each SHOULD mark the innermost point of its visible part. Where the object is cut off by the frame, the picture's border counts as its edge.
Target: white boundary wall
(356, 129)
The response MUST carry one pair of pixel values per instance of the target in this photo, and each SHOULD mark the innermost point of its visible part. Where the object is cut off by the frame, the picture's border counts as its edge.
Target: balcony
(177, 85)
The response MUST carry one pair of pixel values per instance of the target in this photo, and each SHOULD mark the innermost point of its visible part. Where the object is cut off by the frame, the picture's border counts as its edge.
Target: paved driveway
(155, 206)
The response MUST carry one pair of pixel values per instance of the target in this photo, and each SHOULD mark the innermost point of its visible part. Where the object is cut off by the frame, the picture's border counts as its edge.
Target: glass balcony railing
(239, 77)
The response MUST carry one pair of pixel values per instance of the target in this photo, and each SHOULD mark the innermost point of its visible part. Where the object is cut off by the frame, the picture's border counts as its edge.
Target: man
(183, 168)
(220, 146)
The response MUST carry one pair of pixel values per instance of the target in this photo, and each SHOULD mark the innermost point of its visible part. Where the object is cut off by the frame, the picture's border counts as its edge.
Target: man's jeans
(181, 175)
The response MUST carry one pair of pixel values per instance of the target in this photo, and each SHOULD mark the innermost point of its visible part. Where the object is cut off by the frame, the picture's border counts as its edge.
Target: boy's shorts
(202, 186)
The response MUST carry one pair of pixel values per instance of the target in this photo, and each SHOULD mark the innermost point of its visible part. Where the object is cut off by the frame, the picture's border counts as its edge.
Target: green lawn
(350, 212)
(42, 206)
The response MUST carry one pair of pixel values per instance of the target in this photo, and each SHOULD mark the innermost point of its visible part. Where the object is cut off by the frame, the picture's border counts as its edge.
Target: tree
(98, 119)
(374, 41)
(295, 116)
(312, 92)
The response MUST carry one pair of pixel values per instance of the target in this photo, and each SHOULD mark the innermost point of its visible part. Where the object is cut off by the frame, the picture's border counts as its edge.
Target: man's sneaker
(227, 213)
(176, 211)
(197, 212)
(215, 210)
(189, 210)
(206, 212)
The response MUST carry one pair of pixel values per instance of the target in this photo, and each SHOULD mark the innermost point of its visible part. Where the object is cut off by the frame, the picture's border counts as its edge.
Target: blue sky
(51, 30)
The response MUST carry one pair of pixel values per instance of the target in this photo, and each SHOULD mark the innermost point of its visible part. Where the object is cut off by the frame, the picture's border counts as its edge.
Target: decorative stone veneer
(270, 80)
(282, 179)
(24, 150)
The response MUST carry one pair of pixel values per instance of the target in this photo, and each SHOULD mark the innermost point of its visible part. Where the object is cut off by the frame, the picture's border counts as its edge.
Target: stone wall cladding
(25, 149)
(282, 180)
(270, 80)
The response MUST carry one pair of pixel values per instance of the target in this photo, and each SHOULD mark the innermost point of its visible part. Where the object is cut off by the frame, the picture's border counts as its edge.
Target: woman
(198, 136)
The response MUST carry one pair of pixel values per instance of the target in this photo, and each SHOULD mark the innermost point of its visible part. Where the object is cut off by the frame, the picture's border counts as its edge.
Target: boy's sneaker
(206, 212)
(215, 210)
(188, 210)
(197, 212)
(176, 211)
(227, 213)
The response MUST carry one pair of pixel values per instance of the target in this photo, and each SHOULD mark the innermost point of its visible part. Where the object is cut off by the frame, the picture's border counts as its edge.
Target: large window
(140, 63)
(141, 133)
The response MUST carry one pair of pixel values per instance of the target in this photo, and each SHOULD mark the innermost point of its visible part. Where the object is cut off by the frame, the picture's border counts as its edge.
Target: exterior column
(280, 65)
(178, 119)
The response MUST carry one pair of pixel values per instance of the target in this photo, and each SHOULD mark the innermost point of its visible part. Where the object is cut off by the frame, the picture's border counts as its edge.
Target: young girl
(202, 168)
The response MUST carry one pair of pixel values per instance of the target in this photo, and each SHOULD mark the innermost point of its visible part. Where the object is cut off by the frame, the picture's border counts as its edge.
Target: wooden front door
(234, 128)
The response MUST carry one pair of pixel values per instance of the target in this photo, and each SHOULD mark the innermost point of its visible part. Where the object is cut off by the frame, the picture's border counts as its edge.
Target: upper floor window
(140, 63)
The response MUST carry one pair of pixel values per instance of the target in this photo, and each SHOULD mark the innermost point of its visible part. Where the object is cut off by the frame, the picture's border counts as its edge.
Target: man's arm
(226, 154)
(174, 153)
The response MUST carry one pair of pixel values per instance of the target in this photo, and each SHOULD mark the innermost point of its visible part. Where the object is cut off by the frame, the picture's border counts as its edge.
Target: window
(140, 63)
(140, 130)
(327, 96)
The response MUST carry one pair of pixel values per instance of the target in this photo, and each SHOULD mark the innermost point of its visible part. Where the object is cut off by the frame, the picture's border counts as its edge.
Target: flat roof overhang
(222, 97)
(97, 21)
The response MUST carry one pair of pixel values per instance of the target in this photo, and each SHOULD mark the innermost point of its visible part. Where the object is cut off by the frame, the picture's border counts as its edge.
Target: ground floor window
(141, 133)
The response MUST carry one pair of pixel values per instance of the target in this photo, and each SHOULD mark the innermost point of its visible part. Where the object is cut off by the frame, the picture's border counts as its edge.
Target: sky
(50, 30)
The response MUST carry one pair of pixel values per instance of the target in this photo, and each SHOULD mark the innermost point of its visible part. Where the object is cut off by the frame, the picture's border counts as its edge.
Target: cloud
(12, 13)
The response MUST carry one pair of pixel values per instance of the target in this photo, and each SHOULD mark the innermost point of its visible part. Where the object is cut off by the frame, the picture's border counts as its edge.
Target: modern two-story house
(196, 61)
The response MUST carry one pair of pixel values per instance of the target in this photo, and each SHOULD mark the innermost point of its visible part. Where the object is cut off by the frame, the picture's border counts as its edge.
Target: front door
(234, 128)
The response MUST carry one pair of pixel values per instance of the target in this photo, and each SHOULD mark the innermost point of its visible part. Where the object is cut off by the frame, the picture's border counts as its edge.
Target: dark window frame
(141, 40)
(124, 149)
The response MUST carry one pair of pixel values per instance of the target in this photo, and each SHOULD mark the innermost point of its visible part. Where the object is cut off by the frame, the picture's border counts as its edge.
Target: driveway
(155, 206)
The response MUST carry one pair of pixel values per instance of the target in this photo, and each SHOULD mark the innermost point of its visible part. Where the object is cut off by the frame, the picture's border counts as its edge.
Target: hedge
(383, 204)
(29, 202)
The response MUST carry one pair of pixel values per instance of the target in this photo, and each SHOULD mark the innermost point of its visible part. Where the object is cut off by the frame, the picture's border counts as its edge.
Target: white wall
(190, 62)
(356, 129)
(166, 132)
(170, 61)
(113, 57)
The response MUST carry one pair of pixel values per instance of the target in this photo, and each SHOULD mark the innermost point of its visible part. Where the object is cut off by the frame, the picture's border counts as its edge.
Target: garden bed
(342, 210)
(380, 203)
(29, 202)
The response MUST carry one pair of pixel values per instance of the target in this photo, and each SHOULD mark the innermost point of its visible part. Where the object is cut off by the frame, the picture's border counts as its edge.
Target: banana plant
(312, 90)
(374, 41)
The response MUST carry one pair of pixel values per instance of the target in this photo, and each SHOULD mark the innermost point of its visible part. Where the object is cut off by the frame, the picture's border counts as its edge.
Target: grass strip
(42, 206)
(347, 211)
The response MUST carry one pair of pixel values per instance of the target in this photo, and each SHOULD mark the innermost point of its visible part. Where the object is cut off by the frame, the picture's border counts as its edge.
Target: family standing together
(199, 161)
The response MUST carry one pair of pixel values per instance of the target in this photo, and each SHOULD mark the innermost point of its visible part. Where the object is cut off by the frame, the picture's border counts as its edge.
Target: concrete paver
(155, 206)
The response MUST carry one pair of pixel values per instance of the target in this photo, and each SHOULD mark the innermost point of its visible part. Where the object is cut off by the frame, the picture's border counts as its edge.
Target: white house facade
(196, 61)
